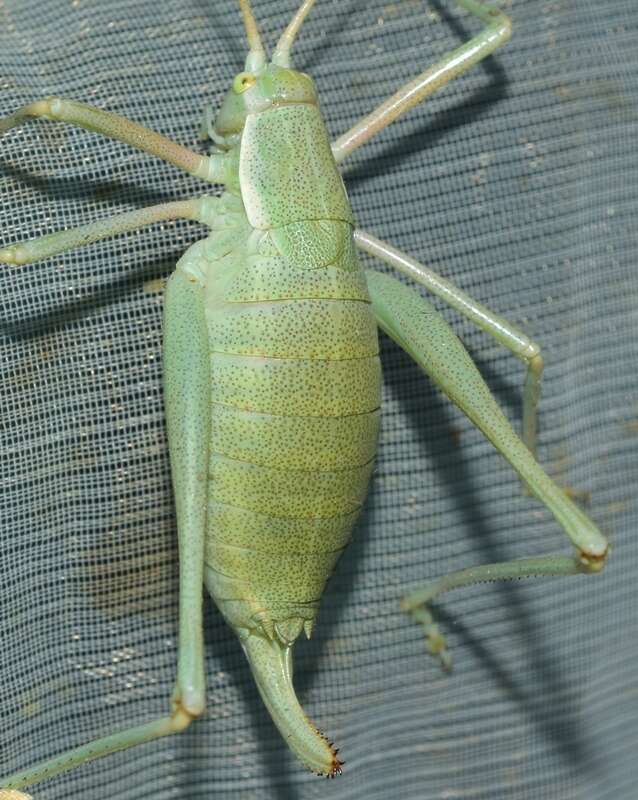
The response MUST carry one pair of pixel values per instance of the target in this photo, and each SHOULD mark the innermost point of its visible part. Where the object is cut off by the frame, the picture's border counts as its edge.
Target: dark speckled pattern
(294, 416)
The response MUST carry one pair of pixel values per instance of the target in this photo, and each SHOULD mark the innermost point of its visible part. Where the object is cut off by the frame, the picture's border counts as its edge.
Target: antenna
(281, 55)
(256, 57)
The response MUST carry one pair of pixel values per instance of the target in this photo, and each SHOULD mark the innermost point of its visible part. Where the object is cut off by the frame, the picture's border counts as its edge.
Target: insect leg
(186, 390)
(422, 332)
(100, 747)
(488, 321)
(54, 243)
(497, 31)
(187, 402)
(416, 603)
(124, 130)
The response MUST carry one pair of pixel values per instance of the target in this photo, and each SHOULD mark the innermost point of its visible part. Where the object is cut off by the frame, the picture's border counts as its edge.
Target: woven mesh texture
(520, 183)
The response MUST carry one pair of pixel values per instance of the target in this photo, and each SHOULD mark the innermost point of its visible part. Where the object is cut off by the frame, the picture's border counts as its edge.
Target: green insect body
(287, 431)
(272, 376)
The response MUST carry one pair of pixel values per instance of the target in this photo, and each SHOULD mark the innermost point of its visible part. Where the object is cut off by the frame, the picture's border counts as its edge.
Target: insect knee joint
(592, 564)
(181, 719)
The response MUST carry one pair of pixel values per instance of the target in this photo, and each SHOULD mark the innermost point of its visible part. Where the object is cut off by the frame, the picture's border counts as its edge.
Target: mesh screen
(520, 183)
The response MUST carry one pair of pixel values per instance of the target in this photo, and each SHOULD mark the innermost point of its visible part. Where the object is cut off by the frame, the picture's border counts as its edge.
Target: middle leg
(201, 209)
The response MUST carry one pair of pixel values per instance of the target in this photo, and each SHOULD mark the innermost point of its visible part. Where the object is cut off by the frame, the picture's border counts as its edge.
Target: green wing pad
(316, 243)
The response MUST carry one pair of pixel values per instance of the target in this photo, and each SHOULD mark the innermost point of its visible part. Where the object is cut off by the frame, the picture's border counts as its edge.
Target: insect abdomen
(295, 382)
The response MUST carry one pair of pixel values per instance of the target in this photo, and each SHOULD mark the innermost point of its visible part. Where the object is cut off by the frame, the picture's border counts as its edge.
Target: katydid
(272, 374)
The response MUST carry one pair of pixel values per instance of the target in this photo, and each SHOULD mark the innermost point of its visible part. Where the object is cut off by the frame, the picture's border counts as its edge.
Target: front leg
(210, 168)
(422, 332)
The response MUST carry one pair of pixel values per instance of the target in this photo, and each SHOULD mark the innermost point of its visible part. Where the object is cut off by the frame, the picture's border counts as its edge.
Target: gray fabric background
(520, 183)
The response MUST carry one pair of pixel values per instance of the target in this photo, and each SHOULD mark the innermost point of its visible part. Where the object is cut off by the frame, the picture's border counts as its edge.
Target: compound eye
(243, 81)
